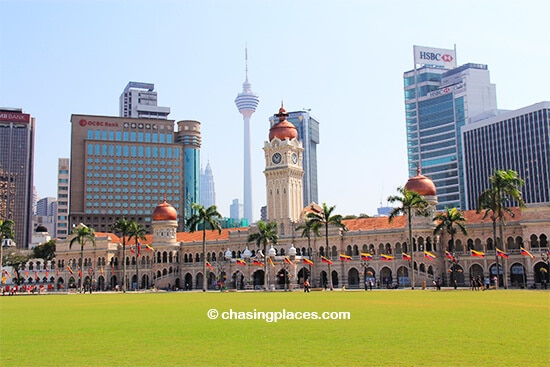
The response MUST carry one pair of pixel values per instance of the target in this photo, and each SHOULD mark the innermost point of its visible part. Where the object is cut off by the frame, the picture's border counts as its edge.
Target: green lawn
(387, 328)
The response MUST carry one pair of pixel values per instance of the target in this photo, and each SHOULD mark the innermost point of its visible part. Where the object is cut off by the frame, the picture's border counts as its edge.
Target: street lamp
(292, 257)
(223, 276)
(246, 255)
(271, 254)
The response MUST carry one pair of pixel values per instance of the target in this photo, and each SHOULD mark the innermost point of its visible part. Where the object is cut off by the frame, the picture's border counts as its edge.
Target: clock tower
(283, 174)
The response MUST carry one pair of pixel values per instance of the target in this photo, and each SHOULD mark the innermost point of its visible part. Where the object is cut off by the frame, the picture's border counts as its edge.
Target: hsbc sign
(435, 56)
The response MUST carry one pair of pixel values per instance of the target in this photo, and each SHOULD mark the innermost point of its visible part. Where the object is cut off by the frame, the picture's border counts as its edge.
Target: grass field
(387, 328)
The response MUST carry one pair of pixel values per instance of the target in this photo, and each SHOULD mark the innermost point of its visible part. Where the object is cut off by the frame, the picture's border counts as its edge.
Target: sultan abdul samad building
(373, 247)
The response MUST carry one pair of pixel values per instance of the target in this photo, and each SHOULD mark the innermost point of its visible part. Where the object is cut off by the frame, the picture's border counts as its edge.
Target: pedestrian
(306, 286)
(370, 284)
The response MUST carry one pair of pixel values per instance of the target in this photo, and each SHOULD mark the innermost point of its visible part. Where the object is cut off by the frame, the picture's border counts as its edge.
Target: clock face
(294, 158)
(276, 158)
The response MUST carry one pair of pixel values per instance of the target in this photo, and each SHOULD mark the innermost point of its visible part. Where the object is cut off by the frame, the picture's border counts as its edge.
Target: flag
(132, 251)
(307, 261)
(325, 260)
(209, 266)
(385, 257)
(345, 257)
(429, 255)
(406, 257)
(450, 256)
(47, 273)
(241, 262)
(80, 273)
(26, 274)
(7, 274)
(477, 253)
(258, 263)
(36, 275)
(69, 269)
(149, 248)
(365, 256)
(502, 253)
(139, 249)
(102, 271)
(288, 261)
(526, 253)
(270, 262)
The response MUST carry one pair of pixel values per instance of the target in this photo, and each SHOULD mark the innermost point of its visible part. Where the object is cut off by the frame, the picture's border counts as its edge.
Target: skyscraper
(517, 140)
(62, 215)
(139, 100)
(124, 167)
(16, 171)
(189, 136)
(439, 100)
(308, 135)
(247, 102)
(208, 191)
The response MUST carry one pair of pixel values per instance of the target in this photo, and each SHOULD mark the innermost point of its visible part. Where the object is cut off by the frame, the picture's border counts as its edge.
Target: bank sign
(435, 56)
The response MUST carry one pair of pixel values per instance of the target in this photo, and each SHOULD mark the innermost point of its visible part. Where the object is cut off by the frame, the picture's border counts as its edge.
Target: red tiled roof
(378, 223)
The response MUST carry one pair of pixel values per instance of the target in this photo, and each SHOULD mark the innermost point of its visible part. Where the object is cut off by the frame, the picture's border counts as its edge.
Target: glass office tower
(439, 99)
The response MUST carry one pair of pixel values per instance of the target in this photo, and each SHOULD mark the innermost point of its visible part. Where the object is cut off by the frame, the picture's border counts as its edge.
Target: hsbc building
(440, 97)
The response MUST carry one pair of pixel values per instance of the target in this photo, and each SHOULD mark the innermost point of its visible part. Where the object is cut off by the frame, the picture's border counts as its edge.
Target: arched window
(534, 241)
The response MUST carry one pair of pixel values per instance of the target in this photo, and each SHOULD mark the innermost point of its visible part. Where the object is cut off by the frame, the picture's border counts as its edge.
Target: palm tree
(505, 187)
(208, 217)
(409, 201)
(6, 232)
(122, 228)
(324, 218)
(450, 221)
(6, 229)
(136, 231)
(82, 234)
(267, 232)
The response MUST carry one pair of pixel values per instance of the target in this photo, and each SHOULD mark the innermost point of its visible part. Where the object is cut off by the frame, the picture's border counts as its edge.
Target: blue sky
(344, 60)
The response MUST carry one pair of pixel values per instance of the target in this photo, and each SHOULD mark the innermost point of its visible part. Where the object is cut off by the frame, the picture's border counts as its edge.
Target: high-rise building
(236, 210)
(208, 191)
(63, 184)
(517, 140)
(139, 100)
(16, 171)
(189, 136)
(308, 135)
(45, 206)
(439, 99)
(247, 102)
(124, 167)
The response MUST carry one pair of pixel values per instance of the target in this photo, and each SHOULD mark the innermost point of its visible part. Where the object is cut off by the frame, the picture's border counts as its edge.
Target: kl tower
(246, 102)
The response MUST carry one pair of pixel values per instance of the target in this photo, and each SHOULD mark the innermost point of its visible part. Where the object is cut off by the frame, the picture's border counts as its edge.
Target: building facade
(139, 100)
(439, 99)
(308, 135)
(17, 131)
(517, 140)
(284, 174)
(123, 167)
(62, 210)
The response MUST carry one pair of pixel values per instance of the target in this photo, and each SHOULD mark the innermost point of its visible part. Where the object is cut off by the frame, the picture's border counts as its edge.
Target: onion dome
(41, 229)
(165, 211)
(421, 185)
(283, 129)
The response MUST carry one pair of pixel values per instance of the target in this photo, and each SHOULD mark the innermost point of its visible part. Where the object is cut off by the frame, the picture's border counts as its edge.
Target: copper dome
(421, 185)
(165, 211)
(283, 129)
